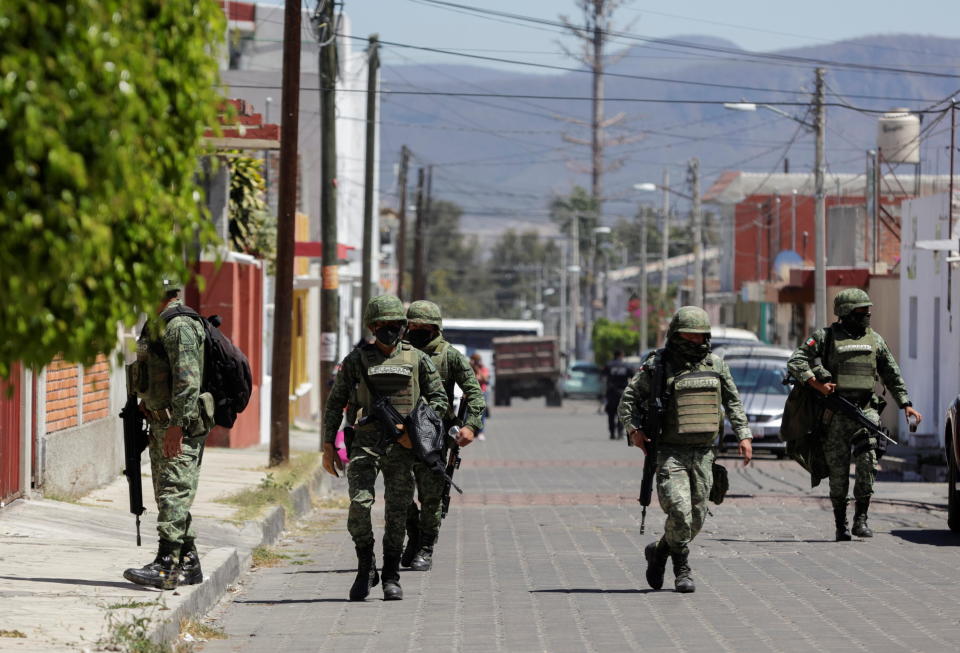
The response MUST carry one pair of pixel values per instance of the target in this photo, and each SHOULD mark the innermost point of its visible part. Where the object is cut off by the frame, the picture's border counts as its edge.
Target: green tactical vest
(439, 359)
(694, 417)
(853, 363)
(151, 373)
(397, 377)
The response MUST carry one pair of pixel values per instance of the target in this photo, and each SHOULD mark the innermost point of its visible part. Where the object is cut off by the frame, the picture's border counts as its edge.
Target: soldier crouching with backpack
(168, 375)
(396, 373)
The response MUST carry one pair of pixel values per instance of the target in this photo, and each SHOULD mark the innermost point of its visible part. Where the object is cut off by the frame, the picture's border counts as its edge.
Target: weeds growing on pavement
(12, 633)
(274, 488)
(264, 556)
(201, 631)
(131, 605)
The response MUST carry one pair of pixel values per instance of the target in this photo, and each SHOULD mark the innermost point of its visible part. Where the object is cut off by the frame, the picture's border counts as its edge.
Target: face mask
(389, 334)
(689, 351)
(420, 338)
(857, 322)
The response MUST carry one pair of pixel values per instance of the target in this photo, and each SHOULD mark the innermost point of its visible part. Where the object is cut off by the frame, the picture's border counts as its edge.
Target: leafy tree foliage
(520, 267)
(609, 336)
(103, 104)
(454, 268)
(252, 229)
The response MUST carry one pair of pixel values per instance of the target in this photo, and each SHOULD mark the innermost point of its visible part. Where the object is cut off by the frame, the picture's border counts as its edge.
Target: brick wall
(65, 393)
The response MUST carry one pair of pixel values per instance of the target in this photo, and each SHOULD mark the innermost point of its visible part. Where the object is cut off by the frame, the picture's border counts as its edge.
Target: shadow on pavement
(77, 581)
(736, 539)
(591, 590)
(286, 601)
(930, 537)
(327, 571)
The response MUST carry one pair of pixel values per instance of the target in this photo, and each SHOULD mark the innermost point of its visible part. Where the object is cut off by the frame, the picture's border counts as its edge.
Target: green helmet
(385, 308)
(170, 283)
(690, 319)
(849, 299)
(424, 312)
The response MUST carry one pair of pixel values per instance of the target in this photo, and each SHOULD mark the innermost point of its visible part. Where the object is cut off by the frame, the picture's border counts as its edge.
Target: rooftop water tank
(898, 136)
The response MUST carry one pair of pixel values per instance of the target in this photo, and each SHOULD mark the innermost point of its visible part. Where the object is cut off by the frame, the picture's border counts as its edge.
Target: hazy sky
(752, 24)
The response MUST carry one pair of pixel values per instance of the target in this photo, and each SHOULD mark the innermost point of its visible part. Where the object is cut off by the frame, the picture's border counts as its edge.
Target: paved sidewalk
(61, 564)
(543, 553)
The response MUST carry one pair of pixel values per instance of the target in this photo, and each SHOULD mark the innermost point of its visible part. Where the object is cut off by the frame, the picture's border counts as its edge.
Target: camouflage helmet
(690, 319)
(169, 284)
(849, 299)
(424, 312)
(385, 308)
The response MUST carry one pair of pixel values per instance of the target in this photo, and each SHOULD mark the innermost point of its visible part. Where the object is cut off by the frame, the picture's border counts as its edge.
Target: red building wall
(234, 291)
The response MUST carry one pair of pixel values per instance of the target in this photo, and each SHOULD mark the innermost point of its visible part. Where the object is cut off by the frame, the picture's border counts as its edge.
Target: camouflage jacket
(812, 349)
(637, 394)
(174, 370)
(351, 374)
(455, 368)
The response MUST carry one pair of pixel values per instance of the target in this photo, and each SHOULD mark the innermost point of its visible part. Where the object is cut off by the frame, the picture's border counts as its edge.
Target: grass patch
(131, 605)
(201, 631)
(62, 497)
(264, 556)
(302, 562)
(274, 488)
(12, 633)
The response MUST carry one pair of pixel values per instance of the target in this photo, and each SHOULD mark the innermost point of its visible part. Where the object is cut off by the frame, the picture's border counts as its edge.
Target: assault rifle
(384, 413)
(453, 457)
(651, 423)
(840, 404)
(135, 438)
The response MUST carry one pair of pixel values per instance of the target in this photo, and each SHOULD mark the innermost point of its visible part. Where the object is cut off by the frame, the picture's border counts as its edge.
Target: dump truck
(527, 366)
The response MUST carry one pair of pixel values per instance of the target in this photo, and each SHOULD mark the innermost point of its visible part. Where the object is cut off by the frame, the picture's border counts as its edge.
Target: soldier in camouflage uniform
(398, 371)
(425, 333)
(855, 357)
(167, 375)
(698, 385)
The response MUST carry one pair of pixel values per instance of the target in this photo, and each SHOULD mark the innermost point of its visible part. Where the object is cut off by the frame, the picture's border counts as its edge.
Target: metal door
(10, 427)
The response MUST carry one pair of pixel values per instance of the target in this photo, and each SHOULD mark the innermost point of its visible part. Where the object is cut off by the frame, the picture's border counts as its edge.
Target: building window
(913, 327)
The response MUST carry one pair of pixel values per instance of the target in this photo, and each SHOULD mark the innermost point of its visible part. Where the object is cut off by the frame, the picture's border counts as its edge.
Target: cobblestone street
(543, 553)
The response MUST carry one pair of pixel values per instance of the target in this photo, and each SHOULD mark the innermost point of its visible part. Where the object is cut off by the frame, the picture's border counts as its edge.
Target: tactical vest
(695, 404)
(151, 373)
(853, 362)
(397, 377)
(439, 358)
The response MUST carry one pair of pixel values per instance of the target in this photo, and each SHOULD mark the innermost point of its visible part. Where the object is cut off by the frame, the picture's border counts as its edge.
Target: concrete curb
(224, 566)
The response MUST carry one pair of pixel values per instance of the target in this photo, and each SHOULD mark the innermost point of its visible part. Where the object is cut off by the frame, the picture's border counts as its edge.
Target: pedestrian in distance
(482, 372)
(695, 386)
(167, 376)
(390, 370)
(425, 332)
(851, 357)
(617, 375)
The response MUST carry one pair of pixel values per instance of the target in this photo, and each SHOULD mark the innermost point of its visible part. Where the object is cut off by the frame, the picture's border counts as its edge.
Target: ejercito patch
(390, 369)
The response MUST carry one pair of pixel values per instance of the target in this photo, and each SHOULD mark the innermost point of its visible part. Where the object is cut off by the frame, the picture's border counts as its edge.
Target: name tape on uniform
(390, 369)
(702, 383)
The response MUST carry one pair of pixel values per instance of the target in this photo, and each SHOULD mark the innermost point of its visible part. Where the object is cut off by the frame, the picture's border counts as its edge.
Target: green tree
(103, 106)
(454, 268)
(252, 229)
(609, 336)
(520, 267)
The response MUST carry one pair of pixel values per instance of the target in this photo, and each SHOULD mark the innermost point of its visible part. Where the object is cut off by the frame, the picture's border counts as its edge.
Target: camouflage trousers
(430, 493)
(396, 465)
(839, 433)
(684, 478)
(175, 486)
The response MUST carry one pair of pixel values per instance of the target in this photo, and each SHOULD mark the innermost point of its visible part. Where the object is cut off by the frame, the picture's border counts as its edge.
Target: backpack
(226, 370)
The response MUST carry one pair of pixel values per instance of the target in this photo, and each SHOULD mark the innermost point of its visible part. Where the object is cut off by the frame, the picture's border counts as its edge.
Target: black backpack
(226, 370)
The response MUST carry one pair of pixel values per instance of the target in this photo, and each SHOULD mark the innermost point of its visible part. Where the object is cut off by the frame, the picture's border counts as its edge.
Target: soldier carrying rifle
(851, 357)
(696, 385)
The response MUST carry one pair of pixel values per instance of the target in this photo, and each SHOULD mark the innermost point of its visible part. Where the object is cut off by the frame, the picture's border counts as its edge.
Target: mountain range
(503, 158)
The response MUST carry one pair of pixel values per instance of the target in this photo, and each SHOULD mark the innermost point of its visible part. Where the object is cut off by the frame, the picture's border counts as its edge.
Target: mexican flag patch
(811, 342)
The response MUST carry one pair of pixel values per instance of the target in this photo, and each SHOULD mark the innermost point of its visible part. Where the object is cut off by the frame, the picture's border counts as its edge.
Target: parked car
(737, 352)
(721, 337)
(759, 379)
(583, 380)
(951, 445)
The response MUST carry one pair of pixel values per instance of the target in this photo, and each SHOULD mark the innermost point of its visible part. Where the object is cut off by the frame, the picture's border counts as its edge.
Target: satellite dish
(784, 261)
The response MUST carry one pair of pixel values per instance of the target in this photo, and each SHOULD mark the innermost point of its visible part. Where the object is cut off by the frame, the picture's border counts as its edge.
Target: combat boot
(860, 528)
(366, 574)
(683, 580)
(656, 554)
(163, 573)
(190, 572)
(413, 536)
(391, 577)
(840, 518)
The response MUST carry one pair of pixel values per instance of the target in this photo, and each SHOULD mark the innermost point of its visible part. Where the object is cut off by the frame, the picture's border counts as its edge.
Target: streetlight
(820, 221)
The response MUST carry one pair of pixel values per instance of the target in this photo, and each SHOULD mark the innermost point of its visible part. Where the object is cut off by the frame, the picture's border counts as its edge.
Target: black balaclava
(389, 334)
(856, 323)
(687, 351)
(420, 338)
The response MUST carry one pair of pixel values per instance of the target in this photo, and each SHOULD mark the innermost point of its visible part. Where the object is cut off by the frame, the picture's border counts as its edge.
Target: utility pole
(330, 266)
(820, 224)
(575, 282)
(286, 235)
(373, 64)
(564, 316)
(665, 245)
(697, 233)
(418, 234)
(643, 280)
(401, 244)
